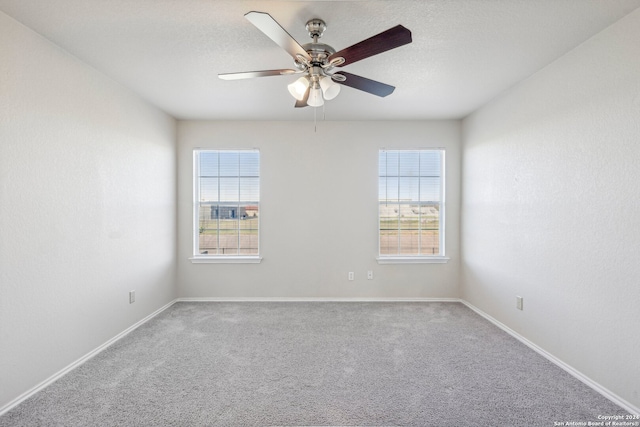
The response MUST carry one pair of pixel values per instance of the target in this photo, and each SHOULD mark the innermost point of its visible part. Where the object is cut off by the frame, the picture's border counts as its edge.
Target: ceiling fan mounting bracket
(316, 27)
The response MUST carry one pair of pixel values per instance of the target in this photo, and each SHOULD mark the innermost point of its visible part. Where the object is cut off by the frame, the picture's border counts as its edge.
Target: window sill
(226, 260)
(412, 260)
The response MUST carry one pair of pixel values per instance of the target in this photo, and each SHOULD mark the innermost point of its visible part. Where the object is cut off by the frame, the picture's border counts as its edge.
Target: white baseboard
(313, 299)
(575, 373)
(80, 361)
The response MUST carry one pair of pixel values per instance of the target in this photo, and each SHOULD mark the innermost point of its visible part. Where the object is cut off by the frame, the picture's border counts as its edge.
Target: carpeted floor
(314, 363)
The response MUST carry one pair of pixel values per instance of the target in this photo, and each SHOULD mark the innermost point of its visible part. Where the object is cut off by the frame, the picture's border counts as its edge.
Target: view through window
(227, 202)
(410, 196)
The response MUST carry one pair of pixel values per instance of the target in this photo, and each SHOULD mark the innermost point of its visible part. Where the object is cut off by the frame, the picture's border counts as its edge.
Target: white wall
(318, 210)
(551, 208)
(87, 209)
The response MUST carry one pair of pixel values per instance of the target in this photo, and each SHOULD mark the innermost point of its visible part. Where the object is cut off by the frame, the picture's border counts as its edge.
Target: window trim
(418, 259)
(441, 257)
(226, 259)
(197, 258)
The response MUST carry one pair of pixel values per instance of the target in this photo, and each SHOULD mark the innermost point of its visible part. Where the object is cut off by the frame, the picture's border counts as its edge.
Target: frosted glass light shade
(315, 98)
(330, 89)
(298, 88)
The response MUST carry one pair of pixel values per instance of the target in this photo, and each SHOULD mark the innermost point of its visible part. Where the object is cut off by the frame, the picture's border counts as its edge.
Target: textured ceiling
(464, 52)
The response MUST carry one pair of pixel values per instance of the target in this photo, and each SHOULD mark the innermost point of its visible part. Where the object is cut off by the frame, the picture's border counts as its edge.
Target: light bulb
(330, 89)
(298, 88)
(315, 97)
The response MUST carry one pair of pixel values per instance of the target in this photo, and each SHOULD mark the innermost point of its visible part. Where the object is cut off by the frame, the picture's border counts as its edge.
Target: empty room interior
(417, 213)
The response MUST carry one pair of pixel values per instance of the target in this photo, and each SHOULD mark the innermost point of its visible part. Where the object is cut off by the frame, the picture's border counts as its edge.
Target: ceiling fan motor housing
(319, 52)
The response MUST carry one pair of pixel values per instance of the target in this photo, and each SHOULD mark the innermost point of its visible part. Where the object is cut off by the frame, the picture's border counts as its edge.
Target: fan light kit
(316, 61)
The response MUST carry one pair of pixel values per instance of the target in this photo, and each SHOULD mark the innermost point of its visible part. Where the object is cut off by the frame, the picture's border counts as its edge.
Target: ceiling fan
(316, 61)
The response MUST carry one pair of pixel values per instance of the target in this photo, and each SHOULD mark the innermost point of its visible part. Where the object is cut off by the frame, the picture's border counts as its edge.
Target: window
(411, 205)
(226, 205)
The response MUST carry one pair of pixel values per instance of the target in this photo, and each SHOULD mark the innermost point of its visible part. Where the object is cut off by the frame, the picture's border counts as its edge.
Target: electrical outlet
(519, 302)
(370, 275)
(132, 297)
(351, 275)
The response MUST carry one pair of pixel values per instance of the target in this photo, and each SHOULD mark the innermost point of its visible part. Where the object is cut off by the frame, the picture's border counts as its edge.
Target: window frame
(198, 258)
(441, 257)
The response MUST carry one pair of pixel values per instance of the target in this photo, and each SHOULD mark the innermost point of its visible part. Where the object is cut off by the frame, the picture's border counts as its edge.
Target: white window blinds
(411, 202)
(227, 202)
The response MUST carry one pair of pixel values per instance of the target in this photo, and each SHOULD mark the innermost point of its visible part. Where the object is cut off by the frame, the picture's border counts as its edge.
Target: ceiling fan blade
(303, 102)
(252, 74)
(367, 85)
(265, 23)
(386, 40)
